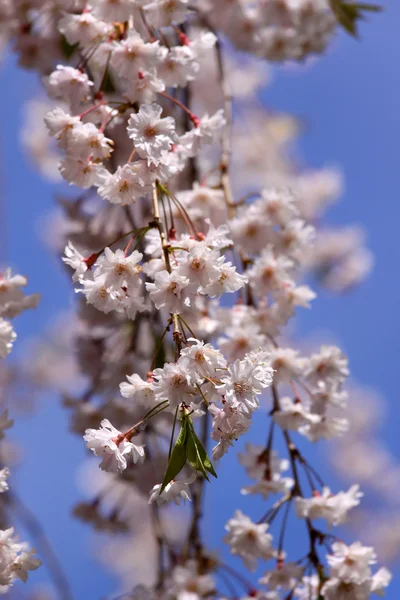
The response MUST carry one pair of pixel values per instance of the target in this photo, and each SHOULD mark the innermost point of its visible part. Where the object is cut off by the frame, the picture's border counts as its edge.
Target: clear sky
(349, 102)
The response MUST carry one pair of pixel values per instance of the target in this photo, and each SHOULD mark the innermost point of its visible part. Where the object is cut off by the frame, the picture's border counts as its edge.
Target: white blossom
(7, 337)
(267, 468)
(4, 475)
(333, 508)
(13, 301)
(173, 383)
(324, 427)
(206, 131)
(151, 134)
(329, 365)
(74, 259)
(67, 83)
(113, 10)
(119, 270)
(202, 360)
(200, 265)
(60, 125)
(86, 142)
(83, 173)
(188, 582)
(285, 575)
(134, 54)
(174, 491)
(155, 114)
(308, 589)
(170, 291)
(351, 563)
(248, 540)
(141, 391)
(124, 186)
(269, 272)
(110, 444)
(165, 12)
(287, 363)
(243, 384)
(16, 559)
(292, 414)
(98, 294)
(83, 29)
(229, 280)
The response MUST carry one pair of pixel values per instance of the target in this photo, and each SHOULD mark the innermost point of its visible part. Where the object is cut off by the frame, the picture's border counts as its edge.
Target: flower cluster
(322, 376)
(266, 468)
(278, 30)
(200, 376)
(158, 152)
(350, 573)
(12, 302)
(239, 390)
(16, 558)
(193, 242)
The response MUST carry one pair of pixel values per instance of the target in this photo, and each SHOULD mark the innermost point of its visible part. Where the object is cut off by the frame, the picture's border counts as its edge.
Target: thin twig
(158, 533)
(297, 490)
(158, 223)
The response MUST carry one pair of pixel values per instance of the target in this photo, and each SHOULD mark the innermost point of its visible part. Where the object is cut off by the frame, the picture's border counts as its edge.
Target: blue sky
(349, 102)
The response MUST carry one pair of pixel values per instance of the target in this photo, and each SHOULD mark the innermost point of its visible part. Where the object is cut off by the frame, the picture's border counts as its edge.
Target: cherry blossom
(248, 540)
(152, 135)
(112, 446)
(333, 508)
(194, 240)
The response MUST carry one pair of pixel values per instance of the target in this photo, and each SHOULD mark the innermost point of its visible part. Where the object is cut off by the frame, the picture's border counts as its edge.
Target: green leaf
(194, 458)
(349, 13)
(369, 7)
(66, 48)
(189, 448)
(178, 456)
(164, 190)
(196, 454)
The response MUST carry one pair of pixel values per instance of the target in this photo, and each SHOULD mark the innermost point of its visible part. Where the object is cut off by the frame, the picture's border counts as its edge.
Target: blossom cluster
(140, 147)
(12, 302)
(193, 242)
(16, 558)
(278, 30)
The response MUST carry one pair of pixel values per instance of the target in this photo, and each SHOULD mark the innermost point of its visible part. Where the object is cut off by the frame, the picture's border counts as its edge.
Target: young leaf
(178, 456)
(349, 13)
(194, 458)
(196, 454)
(369, 7)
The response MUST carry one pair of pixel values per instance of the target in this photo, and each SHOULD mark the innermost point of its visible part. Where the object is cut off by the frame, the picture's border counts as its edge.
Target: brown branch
(294, 456)
(158, 534)
(158, 223)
